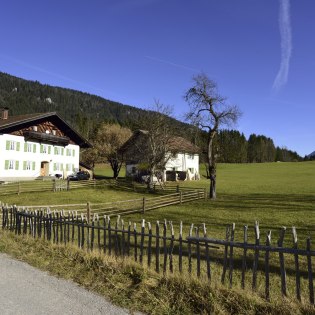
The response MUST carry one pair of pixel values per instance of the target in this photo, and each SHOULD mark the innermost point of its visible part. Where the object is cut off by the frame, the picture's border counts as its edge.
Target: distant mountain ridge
(82, 110)
(312, 154)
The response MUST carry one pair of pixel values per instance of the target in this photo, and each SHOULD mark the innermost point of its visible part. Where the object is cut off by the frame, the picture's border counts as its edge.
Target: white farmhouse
(37, 145)
(182, 160)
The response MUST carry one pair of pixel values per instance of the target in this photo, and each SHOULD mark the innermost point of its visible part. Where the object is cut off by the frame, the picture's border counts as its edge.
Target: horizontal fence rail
(193, 252)
(137, 205)
(20, 187)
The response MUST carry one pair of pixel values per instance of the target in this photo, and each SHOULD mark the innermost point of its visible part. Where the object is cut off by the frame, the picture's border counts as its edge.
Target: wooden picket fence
(158, 248)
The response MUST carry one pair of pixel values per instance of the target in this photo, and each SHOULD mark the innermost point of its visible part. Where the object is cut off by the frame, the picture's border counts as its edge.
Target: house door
(44, 168)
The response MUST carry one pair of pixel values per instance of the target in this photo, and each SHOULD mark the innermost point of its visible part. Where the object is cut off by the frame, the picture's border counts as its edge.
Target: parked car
(82, 175)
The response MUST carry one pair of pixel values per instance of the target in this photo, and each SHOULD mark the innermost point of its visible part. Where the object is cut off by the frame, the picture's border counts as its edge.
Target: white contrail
(286, 44)
(171, 63)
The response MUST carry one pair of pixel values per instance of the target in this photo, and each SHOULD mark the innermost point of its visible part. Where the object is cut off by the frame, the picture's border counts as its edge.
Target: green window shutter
(18, 146)
(25, 146)
(67, 167)
(16, 165)
(49, 149)
(55, 167)
(55, 150)
(62, 151)
(41, 148)
(33, 166)
(6, 164)
(24, 165)
(61, 167)
(73, 152)
(73, 167)
(7, 146)
(34, 148)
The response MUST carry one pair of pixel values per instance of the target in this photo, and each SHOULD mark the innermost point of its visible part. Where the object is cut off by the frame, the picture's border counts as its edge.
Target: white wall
(183, 162)
(34, 159)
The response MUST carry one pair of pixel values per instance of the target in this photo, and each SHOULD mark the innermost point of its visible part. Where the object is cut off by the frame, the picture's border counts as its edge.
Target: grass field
(275, 194)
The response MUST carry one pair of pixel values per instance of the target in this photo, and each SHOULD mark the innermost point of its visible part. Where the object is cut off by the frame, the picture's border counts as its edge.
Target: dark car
(82, 175)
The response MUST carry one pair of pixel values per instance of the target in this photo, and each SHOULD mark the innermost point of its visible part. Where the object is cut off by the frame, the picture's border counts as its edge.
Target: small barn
(182, 158)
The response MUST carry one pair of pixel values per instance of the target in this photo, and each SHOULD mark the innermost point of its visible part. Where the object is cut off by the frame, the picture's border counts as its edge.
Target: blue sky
(260, 52)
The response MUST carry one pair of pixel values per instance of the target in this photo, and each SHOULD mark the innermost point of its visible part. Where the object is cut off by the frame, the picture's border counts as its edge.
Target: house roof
(14, 123)
(181, 144)
(176, 144)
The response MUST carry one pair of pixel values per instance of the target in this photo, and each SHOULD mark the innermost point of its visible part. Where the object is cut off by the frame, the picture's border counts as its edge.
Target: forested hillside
(85, 111)
(82, 110)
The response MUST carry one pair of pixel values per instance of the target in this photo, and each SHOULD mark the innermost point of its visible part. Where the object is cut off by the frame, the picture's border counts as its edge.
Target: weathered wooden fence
(140, 205)
(20, 187)
(158, 248)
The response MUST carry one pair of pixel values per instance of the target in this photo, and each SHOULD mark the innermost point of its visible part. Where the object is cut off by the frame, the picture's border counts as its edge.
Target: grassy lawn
(275, 194)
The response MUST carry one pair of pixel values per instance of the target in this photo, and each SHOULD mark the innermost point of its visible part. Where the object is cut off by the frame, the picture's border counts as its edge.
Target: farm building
(37, 145)
(182, 158)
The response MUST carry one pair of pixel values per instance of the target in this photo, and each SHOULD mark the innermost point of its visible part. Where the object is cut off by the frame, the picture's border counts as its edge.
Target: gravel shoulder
(29, 291)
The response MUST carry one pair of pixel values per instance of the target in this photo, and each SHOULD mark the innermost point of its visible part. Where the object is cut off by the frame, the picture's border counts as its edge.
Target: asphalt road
(25, 290)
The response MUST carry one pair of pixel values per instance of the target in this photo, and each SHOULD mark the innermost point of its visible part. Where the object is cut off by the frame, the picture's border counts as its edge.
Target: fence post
(19, 188)
(177, 188)
(54, 185)
(143, 205)
(88, 211)
(180, 197)
(68, 184)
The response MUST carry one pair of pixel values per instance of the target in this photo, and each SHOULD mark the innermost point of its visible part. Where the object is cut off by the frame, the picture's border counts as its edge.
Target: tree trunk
(116, 166)
(150, 184)
(213, 192)
(212, 166)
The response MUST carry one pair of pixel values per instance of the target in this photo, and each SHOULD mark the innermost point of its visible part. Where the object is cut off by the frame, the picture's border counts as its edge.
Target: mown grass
(275, 194)
(135, 287)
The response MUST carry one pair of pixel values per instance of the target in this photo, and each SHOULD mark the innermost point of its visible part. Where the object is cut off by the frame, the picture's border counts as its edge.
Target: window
(27, 165)
(11, 165)
(58, 167)
(12, 145)
(43, 148)
(191, 156)
(28, 147)
(69, 167)
(58, 150)
(68, 152)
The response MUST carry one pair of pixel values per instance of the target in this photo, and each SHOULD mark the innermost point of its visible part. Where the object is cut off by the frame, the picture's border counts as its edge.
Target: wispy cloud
(286, 44)
(50, 73)
(172, 64)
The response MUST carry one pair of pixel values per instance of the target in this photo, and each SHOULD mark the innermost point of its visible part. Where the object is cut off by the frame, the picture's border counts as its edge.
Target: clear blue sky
(260, 52)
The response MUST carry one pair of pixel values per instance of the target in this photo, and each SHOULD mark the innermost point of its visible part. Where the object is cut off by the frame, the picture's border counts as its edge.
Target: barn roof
(176, 144)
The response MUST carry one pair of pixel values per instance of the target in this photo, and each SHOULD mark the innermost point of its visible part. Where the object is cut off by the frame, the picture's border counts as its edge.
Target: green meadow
(274, 194)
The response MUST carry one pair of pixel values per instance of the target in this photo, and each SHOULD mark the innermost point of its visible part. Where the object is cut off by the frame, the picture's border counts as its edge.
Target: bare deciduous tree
(209, 110)
(151, 146)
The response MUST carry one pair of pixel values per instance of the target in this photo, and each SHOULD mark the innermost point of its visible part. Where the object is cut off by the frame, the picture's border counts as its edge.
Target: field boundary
(137, 205)
(163, 252)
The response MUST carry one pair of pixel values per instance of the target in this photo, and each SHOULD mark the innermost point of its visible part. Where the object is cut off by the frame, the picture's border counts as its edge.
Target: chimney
(4, 113)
